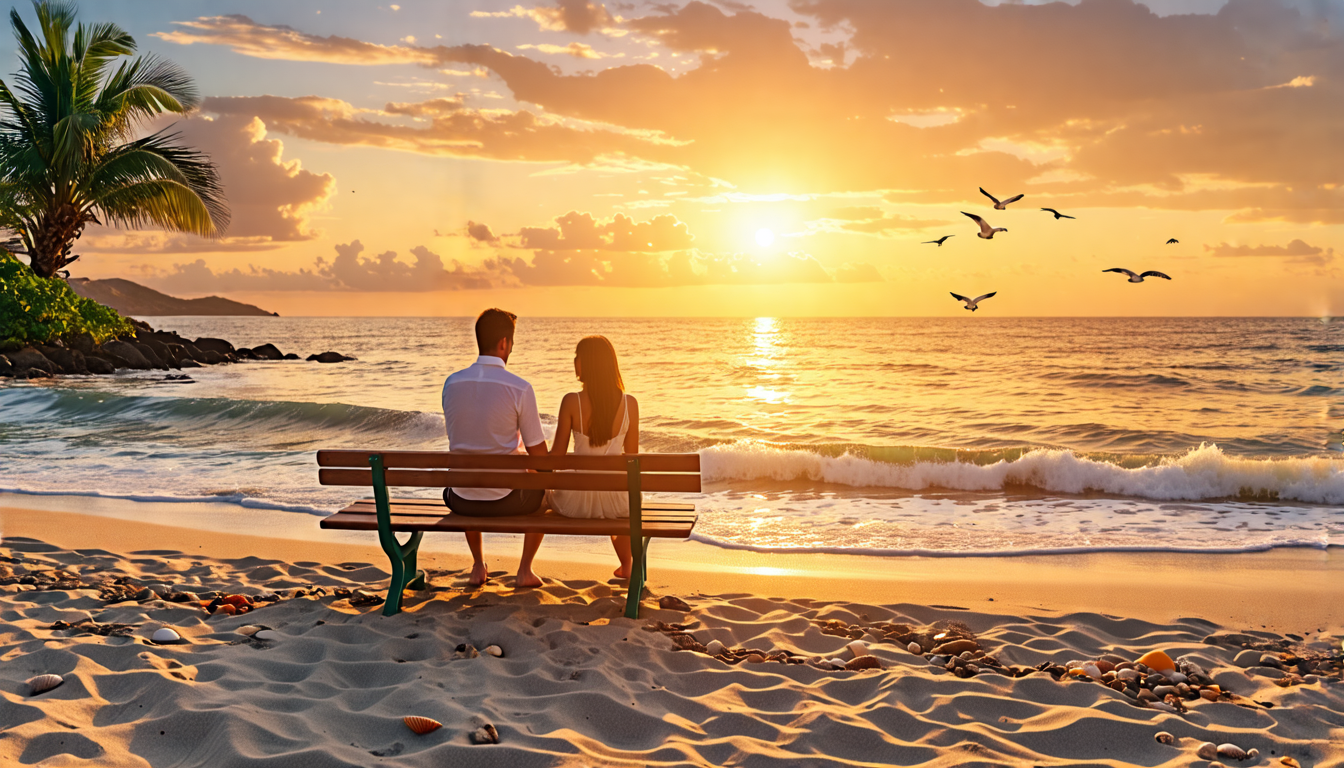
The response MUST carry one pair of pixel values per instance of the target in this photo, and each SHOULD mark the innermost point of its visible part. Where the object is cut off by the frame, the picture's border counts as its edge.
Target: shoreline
(1279, 590)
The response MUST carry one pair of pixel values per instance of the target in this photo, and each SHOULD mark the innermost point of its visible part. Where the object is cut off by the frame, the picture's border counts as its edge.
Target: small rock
(755, 658)
(486, 734)
(863, 662)
(1127, 674)
(1208, 695)
(858, 649)
(1232, 752)
(494, 650)
(1290, 762)
(1164, 706)
(1165, 738)
(1091, 670)
(248, 630)
(1162, 691)
(145, 594)
(266, 634)
(1208, 751)
(838, 663)
(44, 683)
(165, 635)
(671, 603)
(1270, 660)
(714, 648)
(915, 648)
(955, 647)
(465, 651)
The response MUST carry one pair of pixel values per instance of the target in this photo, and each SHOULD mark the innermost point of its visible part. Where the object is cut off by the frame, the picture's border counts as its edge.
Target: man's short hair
(491, 326)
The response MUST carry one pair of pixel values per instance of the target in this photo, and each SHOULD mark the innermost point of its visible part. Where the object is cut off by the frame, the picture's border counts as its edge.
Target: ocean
(890, 437)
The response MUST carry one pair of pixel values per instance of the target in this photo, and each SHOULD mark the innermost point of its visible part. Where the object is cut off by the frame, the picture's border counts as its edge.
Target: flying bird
(972, 304)
(1000, 206)
(938, 242)
(1133, 278)
(986, 231)
(1173, 241)
(1058, 215)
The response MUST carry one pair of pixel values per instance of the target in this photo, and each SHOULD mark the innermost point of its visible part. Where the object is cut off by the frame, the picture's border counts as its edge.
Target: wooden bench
(633, 474)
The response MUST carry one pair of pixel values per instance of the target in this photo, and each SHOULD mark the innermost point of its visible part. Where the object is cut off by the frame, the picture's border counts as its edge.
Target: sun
(764, 237)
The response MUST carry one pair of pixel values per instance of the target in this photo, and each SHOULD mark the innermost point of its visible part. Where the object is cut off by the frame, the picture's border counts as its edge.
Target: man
(488, 410)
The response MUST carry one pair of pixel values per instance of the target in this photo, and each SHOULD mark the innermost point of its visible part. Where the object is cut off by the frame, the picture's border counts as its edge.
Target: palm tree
(68, 152)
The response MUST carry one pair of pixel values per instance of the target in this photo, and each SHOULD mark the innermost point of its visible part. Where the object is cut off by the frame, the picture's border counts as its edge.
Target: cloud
(574, 231)
(347, 272)
(577, 50)
(870, 220)
(452, 130)
(481, 232)
(245, 36)
(644, 270)
(578, 16)
(1296, 251)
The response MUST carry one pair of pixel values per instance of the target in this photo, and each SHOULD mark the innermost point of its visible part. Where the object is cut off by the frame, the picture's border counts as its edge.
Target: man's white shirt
(487, 410)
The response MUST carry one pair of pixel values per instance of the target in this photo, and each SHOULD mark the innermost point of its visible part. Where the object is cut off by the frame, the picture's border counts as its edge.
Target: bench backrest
(655, 472)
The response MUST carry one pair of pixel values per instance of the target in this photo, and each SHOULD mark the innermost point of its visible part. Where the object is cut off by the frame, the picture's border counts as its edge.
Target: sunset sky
(754, 158)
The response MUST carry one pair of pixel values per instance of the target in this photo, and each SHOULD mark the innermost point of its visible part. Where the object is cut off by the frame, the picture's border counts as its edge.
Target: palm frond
(158, 203)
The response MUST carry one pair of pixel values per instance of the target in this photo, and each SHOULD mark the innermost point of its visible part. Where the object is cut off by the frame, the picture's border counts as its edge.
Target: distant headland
(134, 299)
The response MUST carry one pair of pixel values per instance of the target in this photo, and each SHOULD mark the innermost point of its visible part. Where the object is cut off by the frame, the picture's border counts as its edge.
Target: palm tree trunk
(51, 245)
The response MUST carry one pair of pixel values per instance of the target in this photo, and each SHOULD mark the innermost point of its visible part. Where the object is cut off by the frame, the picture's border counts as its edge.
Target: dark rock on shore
(221, 346)
(125, 355)
(291, 356)
(99, 365)
(67, 361)
(268, 352)
(329, 357)
(30, 359)
(148, 353)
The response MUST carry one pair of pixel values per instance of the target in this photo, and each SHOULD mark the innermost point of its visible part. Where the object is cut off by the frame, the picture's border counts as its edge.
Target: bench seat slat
(549, 523)
(406, 505)
(569, 481)
(652, 462)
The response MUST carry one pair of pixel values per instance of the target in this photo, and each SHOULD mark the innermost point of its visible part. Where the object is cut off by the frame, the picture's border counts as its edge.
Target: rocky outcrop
(147, 350)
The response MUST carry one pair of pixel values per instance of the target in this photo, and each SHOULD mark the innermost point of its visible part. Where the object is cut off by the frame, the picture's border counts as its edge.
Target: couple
(488, 410)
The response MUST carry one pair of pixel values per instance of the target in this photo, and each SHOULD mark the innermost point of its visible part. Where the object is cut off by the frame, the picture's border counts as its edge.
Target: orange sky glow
(765, 158)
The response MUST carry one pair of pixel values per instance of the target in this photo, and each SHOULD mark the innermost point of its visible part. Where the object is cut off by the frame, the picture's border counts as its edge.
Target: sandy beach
(577, 684)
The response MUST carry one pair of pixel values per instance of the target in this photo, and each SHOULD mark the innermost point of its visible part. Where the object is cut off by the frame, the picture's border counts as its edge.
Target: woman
(604, 422)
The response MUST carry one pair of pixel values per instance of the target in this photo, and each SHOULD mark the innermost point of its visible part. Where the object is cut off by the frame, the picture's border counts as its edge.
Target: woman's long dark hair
(601, 377)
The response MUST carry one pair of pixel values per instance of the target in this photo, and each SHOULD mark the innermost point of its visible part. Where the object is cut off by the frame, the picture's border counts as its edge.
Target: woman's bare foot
(479, 575)
(526, 578)
(622, 573)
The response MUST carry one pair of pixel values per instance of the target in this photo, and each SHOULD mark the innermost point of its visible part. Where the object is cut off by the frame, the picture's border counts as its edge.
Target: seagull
(938, 242)
(986, 231)
(972, 304)
(1000, 206)
(1133, 278)
(1173, 241)
(1058, 215)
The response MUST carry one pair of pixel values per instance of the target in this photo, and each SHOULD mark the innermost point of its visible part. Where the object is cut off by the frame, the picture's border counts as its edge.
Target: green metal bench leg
(639, 545)
(402, 557)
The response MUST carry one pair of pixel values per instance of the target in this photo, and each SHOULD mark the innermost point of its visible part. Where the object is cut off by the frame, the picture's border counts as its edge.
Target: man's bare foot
(622, 573)
(479, 575)
(527, 579)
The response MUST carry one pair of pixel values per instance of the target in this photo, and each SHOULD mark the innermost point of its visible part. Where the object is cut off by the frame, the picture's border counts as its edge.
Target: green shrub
(38, 310)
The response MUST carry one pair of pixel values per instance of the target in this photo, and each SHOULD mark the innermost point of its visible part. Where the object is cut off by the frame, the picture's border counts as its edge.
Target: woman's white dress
(603, 504)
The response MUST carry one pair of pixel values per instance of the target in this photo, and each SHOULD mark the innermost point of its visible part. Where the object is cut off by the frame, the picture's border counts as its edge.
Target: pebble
(1164, 706)
(671, 603)
(1208, 751)
(486, 734)
(145, 594)
(1177, 677)
(915, 648)
(957, 646)
(863, 662)
(1208, 695)
(1165, 738)
(1162, 691)
(44, 683)
(266, 634)
(755, 658)
(165, 635)
(248, 630)
(1092, 671)
(1232, 752)
(1270, 660)
(857, 648)
(714, 648)
(494, 650)
(837, 662)
(1290, 762)
(1127, 674)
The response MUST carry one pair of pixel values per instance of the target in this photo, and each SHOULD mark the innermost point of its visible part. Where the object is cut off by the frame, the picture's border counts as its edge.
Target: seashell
(1157, 661)
(266, 634)
(1092, 671)
(915, 648)
(165, 635)
(1252, 753)
(494, 650)
(486, 734)
(44, 683)
(714, 648)
(1231, 752)
(857, 648)
(1208, 751)
(421, 725)
(465, 651)
(248, 630)
(1164, 738)
(838, 663)
(1164, 706)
